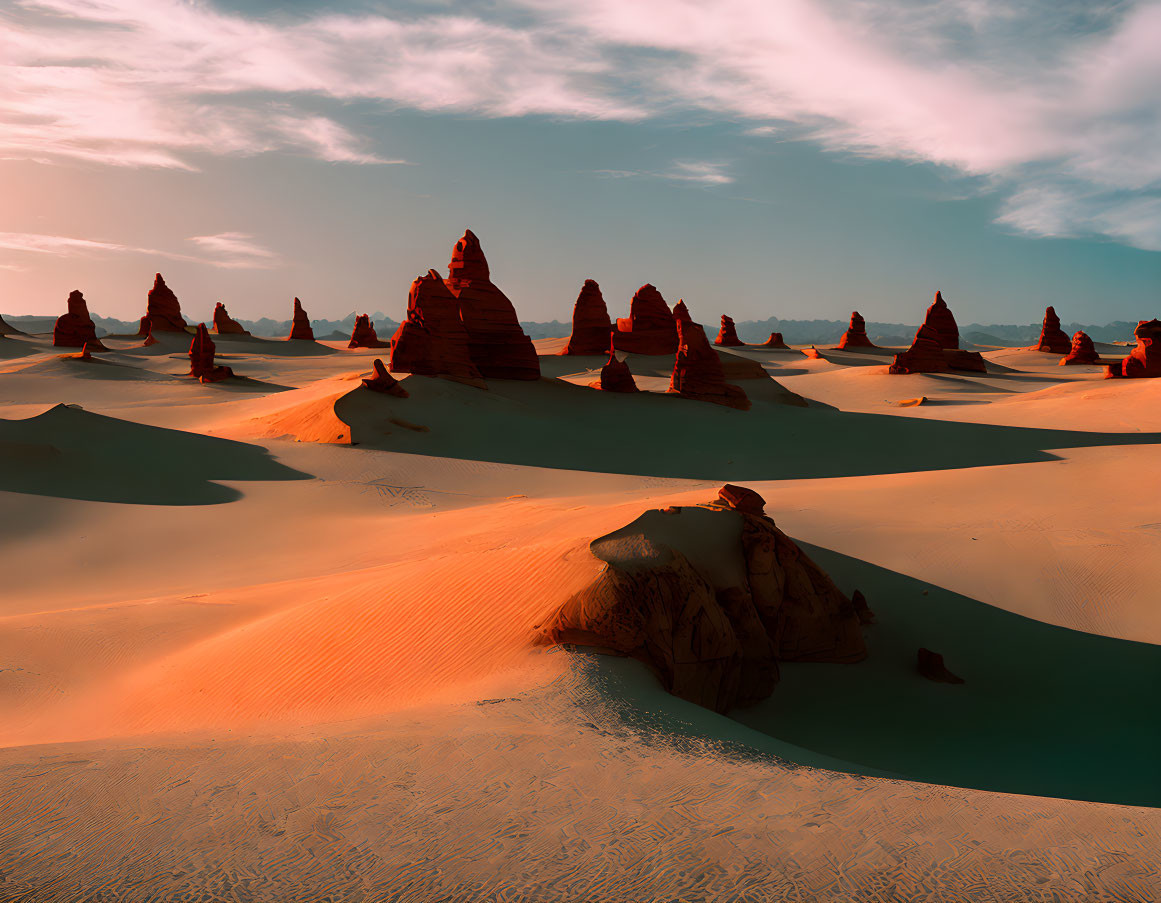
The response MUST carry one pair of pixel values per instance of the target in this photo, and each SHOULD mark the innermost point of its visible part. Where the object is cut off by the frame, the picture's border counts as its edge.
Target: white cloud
(236, 250)
(229, 250)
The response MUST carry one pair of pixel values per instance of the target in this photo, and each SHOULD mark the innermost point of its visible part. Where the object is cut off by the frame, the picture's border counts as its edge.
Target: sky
(789, 158)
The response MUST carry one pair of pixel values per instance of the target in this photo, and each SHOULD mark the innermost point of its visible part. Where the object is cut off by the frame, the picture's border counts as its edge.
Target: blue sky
(799, 158)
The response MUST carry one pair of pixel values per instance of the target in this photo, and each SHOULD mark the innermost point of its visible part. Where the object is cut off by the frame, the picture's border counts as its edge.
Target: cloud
(701, 172)
(229, 250)
(236, 250)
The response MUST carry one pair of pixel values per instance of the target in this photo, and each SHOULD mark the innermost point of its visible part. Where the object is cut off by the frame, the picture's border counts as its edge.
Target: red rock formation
(942, 323)
(6, 328)
(1052, 337)
(1144, 361)
(649, 328)
(958, 359)
(75, 328)
(813, 353)
(431, 340)
(300, 327)
(162, 311)
(775, 341)
(590, 322)
(224, 324)
(715, 645)
(728, 334)
(384, 382)
(930, 665)
(364, 335)
(87, 353)
(1081, 351)
(497, 343)
(697, 369)
(741, 498)
(201, 358)
(856, 334)
(615, 375)
(924, 356)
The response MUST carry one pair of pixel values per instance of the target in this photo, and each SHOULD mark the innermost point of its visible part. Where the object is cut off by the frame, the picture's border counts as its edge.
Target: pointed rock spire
(924, 356)
(75, 328)
(300, 327)
(384, 382)
(942, 322)
(728, 334)
(224, 324)
(201, 358)
(364, 335)
(1052, 337)
(650, 327)
(162, 311)
(697, 369)
(590, 322)
(431, 340)
(615, 375)
(856, 334)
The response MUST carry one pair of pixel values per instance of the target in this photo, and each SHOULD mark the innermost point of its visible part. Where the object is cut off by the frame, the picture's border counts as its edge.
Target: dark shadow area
(71, 453)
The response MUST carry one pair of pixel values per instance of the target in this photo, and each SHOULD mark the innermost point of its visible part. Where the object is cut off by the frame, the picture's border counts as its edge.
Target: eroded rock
(300, 327)
(649, 328)
(224, 324)
(1052, 337)
(728, 334)
(591, 326)
(76, 328)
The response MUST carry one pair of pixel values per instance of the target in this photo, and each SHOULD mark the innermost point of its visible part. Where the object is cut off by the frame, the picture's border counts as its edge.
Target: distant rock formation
(649, 328)
(6, 328)
(1144, 361)
(162, 310)
(813, 353)
(942, 323)
(590, 322)
(300, 327)
(1052, 337)
(1081, 351)
(712, 639)
(615, 375)
(930, 665)
(75, 328)
(364, 335)
(201, 358)
(728, 334)
(924, 356)
(496, 341)
(224, 324)
(431, 340)
(384, 382)
(775, 341)
(856, 334)
(697, 369)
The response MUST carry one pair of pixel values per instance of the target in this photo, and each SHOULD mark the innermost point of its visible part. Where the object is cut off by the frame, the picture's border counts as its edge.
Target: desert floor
(242, 658)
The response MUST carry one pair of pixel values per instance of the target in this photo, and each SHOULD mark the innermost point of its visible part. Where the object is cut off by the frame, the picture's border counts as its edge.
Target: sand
(270, 639)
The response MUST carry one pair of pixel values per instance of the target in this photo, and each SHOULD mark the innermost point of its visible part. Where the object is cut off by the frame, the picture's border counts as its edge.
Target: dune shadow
(70, 453)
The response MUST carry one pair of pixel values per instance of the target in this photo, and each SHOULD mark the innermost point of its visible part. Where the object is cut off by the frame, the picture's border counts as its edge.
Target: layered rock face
(162, 310)
(224, 324)
(942, 323)
(775, 341)
(649, 328)
(697, 369)
(615, 376)
(75, 328)
(1052, 337)
(728, 334)
(382, 381)
(958, 359)
(1144, 361)
(364, 335)
(1081, 351)
(201, 358)
(432, 340)
(856, 334)
(590, 322)
(714, 635)
(497, 343)
(300, 327)
(924, 356)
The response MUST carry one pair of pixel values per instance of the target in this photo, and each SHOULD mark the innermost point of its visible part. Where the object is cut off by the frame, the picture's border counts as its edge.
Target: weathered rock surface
(924, 356)
(363, 335)
(300, 327)
(74, 328)
(942, 323)
(591, 326)
(201, 358)
(856, 334)
(741, 498)
(649, 328)
(432, 340)
(958, 359)
(384, 382)
(615, 375)
(775, 341)
(697, 369)
(728, 334)
(224, 324)
(1052, 337)
(162, 310)
(1144, 361)
(496, 341)
(1081, 351)
(930, 665)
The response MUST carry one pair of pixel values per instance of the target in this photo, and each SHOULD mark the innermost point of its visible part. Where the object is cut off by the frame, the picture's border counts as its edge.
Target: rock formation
(697, 369)
(930, 665)
(713, 638)
(958, 359)
(856, 334)
(6, 328)
(728, 334)
(813, 353)
(75, 328)
(1144, 361)
(300, 327)
(859, 601)
(384, 382)
(162, 310)
(649, 328)
(1081, 351)
(590, 322)
(775, 341)
(924, 356)
(364, 335)
(497, 343)
(224, 324)
(615, 375)
(201, 358)
(432, 340)
(942, 323)
(1052, 337)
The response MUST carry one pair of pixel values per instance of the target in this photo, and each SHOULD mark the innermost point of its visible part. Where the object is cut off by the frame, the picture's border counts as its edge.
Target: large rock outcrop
(162, 310)
(856, 334)
(697, 369)
(1081, 351)
(590, 322)
(649, 328)
(497, 343)
(224, 324)
(7, 328)
(924, 356)
(1144, 361)
(76, 328)
(363, 334)
(300, 327)
(384, 382)
(615, 375)
(710, 598)
(432, 340)
(1052, 337)
(728, 334)
(775, 341)
(201, 358)
(942, 323)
